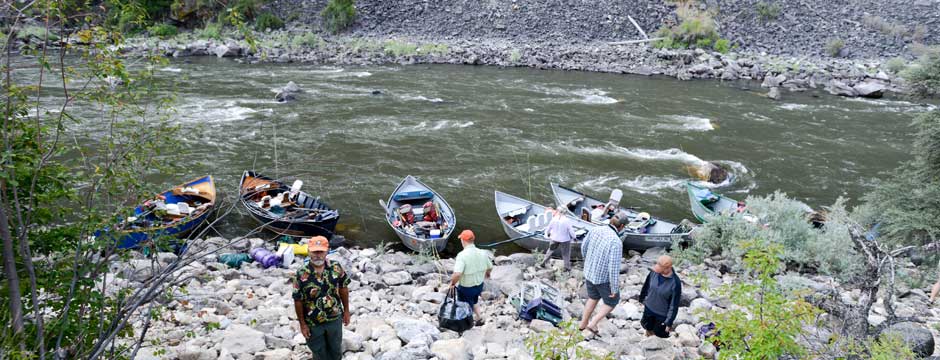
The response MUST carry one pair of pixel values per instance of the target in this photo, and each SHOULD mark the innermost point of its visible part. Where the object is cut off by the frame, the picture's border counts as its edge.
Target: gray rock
(352, 341)
(505, 279)
(654, 343)
(700, 304)
(415, 330)
(278, 354)
(836, 87)
(194, 353)
(541, 325)
(523, 259)
(396, 278)
(242, 340)
(773, 81)
(707, 350)
(870, 88)
(700, 69)
(627, 311)
(774, 93)
(918, 338)
(453, 349)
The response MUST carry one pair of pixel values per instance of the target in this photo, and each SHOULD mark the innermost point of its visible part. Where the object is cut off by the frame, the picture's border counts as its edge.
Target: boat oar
(490, 246)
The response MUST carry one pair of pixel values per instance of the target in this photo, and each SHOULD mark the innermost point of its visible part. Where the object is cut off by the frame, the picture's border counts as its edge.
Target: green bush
(782, 221)
(400, 48)
(834, 47)
(767, 10)
(766, 321)
(923, 75)
(267, 21)
(515, 56)
(896, 65)
(307, 39)
(248, 9)
(212, 30)
(338, 15)
(561, 343)
(697, 28)
(883, 26)
(433, 49)
(723, 46)
(163, 30)
(35, 33)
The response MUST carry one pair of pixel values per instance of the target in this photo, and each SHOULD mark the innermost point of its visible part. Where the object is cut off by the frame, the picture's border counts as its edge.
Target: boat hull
(410, 184)
(302, 227)
(701, 211)
(506, 204)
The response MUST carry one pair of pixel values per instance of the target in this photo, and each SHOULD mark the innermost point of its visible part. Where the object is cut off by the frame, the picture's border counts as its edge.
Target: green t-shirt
(472, 263)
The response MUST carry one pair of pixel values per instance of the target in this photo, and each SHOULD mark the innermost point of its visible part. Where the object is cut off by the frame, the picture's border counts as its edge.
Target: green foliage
(307, 39)
(338, 15)
(907, 205)
(247, 9)
(722, 46)
(766, 321)
(890, 346)
(400, 48)
(163, 30)
(834, 47)
(212, 30)
(561, 344)
(696, 29)
(35, 33)
(883, 26)
(268, 21)
(896, 65)
(433, 49)
(515, 56)
(767, 10)
(782, 222)
(923, 76)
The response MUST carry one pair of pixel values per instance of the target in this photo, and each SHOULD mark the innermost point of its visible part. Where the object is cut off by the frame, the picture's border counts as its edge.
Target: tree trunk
(9, 270)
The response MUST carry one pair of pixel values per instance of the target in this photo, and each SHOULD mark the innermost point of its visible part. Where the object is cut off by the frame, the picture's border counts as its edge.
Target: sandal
(479, 322)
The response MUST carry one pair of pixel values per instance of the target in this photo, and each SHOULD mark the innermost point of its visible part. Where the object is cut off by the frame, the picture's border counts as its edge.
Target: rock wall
(801, 28)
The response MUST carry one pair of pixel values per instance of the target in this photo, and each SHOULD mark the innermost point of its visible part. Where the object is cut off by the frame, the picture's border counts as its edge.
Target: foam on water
(672, 154)
(685, 122)
(652, 184)
(443, 124)
(793, 107)
(206, 110)
(171, 69)
(420, 98)
(580, 96)
(325, 70)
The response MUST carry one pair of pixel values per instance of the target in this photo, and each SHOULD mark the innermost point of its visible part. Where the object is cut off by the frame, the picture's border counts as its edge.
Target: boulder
(505, 279)
(774, 93)
(242, 340)
(700, 69)
(396, 278)
(279, 354)
(773, 81)
(226, 51)
(541, 325)
(710, 172)
(627, 311)
(409, 331)
(195, 353)
(870, 88)
(352, 341)
(523, 259)
(836, 87)
(700, 304)
(917, 337)
(453, 349)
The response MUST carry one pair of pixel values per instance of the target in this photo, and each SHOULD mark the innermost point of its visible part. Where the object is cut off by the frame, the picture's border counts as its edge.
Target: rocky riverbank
(247, 313)
(845, 77)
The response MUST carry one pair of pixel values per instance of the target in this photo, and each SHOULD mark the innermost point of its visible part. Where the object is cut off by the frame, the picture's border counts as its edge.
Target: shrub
(896, 65)
(561, 344)
(339, 14)
(781, 221)
(399, 48)
(267, 21)
(433, 49)
(834, 47)
(923, 76)
(308, 39)
(697, 28)
(163, 30)
(767, 10)
(765, 321)
(35, 33)
(722, 46)
(883, 26)
(212, 30)
(248, 9)
(515, 56)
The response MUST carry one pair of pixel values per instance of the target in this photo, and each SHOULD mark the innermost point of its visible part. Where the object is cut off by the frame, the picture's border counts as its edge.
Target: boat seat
(302, 199)
(517, 212)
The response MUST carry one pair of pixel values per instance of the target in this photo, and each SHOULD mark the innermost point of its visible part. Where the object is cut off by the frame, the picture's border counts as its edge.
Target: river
(468, 130)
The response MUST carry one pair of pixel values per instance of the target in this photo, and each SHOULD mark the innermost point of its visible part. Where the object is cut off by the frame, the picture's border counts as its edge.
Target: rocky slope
(800, 28)
(247, 313)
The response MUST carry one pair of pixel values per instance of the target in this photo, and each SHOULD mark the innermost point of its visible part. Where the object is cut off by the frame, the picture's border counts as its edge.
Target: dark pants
(326, 340)
(469, 295)
(653, 322)
(601, 292)
(564, 248)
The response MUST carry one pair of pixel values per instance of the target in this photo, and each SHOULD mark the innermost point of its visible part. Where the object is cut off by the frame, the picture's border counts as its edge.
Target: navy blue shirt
(661, 295)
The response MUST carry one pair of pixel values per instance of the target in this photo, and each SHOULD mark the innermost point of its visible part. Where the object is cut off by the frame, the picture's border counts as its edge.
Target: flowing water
(467, 131)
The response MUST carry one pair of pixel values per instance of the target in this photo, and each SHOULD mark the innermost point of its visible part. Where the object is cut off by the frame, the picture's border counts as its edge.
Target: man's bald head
(663, 265)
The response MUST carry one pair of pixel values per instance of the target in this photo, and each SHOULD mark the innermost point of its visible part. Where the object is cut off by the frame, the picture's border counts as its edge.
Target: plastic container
(435, 234)
(265, 257)
(234, 260)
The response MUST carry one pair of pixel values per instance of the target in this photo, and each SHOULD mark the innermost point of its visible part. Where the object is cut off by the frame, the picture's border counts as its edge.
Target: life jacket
(430, 212)
(406, 214)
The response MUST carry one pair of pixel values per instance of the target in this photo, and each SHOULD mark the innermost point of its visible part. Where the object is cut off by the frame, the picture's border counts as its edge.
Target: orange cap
(318, 243)
(466, 235)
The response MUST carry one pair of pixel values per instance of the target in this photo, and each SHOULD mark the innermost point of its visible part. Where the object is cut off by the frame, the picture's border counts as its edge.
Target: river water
(467, 131)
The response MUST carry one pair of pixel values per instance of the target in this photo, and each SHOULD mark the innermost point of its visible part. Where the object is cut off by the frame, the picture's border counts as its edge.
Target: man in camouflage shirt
(321, 298)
